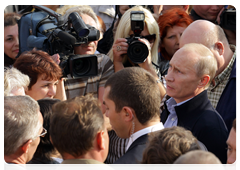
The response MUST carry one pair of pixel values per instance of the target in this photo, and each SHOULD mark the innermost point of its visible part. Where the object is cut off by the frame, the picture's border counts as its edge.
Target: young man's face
(116, 119)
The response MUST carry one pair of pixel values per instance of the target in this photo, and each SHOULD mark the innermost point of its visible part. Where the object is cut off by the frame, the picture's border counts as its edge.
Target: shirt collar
(227, 71)
(153, 128)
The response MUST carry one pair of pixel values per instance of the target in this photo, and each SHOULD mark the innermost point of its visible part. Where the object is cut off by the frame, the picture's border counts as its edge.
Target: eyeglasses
(151, 38)
(43, 133)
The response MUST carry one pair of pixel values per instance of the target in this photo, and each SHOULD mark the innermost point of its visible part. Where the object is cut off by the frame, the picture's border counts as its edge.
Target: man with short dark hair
(132, 99)
(231, 142)
(22, 128)
(78, 131)
(190, 73)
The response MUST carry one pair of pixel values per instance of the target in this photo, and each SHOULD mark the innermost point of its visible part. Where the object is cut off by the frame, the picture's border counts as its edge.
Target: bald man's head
(203, 32)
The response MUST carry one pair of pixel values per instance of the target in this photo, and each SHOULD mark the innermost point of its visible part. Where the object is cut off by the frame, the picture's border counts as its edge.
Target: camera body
(45, 30)
(80, 65)
(137, 51)
(228, 19)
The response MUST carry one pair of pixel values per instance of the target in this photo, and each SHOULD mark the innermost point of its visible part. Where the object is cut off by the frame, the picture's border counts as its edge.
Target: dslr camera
(45, 30)
(137, 51)
(228, 19)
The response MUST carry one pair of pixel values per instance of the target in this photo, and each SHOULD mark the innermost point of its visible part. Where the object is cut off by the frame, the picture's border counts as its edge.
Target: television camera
(45, 30)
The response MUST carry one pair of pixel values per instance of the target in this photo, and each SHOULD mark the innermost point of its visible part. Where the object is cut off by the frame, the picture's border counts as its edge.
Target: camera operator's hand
(119, 48)
(56, 58)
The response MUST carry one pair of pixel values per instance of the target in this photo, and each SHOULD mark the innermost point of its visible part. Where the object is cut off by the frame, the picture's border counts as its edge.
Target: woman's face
(11, 43)
(146, 33)
(171, 40)
(43, 89)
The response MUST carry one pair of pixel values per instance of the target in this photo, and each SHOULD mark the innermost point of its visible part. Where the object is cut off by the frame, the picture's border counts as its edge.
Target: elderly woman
(171, 26)
(11, 43)
(44, 74)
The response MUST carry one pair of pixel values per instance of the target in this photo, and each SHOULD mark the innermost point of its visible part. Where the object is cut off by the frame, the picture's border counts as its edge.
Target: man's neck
(89, 155)
(15, 160)
(151, 122)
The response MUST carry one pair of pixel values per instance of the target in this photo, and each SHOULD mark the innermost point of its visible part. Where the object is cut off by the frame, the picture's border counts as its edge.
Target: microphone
(64, 36)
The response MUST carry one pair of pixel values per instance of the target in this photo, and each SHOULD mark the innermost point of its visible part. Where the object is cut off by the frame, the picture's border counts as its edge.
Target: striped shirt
(117, 147)
(215, 91)
(82, 86)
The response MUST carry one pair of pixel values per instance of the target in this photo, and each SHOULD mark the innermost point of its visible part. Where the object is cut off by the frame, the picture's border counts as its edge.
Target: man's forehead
(89, 20)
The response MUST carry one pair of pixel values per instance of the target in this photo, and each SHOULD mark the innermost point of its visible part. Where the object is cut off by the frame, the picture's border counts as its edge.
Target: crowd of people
(177, 106)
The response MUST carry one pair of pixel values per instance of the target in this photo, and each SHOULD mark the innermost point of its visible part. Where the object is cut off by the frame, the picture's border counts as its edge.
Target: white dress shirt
(144, 131)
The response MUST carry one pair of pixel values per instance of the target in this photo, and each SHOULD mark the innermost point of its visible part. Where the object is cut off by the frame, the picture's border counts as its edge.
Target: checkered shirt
(215, 92)
(82, 86)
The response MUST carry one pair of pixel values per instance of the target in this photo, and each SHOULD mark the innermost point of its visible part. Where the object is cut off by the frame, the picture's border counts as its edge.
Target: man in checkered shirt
(222, 91)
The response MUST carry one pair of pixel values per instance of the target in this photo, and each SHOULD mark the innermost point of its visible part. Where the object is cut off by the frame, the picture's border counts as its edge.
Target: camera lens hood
(137, 52)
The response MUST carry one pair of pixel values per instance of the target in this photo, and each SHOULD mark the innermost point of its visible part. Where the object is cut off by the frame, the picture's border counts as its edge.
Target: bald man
(222, 91)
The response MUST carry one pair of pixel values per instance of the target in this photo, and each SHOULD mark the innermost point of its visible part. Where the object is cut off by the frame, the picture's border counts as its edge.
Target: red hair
(36, 63)
(170, 18)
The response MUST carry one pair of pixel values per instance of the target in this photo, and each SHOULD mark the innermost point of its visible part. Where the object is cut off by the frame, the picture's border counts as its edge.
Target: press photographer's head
(90, 19)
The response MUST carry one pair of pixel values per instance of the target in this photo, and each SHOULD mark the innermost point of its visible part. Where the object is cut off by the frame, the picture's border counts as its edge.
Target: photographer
(95, 84)
(149, 36)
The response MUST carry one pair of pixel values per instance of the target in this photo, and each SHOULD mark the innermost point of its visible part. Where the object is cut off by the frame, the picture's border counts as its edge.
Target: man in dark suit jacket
(191, 70)
(132, 99)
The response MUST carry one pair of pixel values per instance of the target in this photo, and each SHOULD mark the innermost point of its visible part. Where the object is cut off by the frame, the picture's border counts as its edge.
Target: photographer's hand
(119, 48)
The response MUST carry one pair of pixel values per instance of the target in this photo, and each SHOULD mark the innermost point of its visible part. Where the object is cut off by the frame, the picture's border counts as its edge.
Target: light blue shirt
(172, 119)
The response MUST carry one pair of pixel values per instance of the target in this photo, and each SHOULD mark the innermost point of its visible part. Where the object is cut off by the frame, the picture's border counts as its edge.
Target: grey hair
(81, 10)
(14, 79)
(21, 122)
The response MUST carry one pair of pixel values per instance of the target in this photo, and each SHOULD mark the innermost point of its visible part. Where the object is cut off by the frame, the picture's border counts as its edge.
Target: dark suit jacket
(227, 103)
(135, 151)
(199, 116)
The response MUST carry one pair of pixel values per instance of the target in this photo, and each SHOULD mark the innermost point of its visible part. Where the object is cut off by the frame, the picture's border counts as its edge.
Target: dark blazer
(199, 116)
(227, 103)
(135, 152)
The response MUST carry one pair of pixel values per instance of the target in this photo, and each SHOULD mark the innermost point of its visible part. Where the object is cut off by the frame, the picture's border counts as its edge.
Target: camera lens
(137, 52)
(81, 66)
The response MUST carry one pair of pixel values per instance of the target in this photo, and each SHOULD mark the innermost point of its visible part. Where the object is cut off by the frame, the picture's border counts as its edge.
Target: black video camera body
(45, 30)
(137, 51)
(228, 19)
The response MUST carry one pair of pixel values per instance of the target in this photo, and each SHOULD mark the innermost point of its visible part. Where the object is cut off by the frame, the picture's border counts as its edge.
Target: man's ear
(100, 140)
(128, 113)
(204, 81)
(219, 47)
(26, 146)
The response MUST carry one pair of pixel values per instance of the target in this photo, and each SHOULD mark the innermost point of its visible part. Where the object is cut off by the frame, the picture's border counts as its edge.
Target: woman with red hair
(171, 26)
(44, 73)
